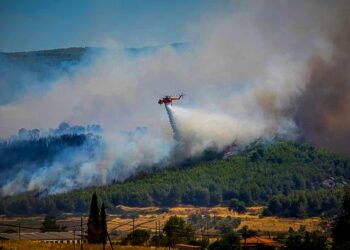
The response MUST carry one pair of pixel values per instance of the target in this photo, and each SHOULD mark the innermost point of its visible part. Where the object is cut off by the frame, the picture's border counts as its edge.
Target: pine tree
(94, 222)
(50, 225)
(103, 225)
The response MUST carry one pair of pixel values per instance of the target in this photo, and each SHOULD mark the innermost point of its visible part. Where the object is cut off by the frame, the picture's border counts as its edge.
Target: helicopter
(169, 99)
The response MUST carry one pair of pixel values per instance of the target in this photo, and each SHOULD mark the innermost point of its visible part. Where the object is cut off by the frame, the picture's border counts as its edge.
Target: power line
(19, 225)
(33, 228)
(120, 225)
(138, 225)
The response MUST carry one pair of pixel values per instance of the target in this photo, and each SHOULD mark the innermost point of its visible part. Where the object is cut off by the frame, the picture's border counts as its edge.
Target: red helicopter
(169, 99)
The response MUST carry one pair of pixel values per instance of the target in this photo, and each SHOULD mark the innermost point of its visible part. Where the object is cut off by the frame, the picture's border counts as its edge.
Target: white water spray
(172, 122)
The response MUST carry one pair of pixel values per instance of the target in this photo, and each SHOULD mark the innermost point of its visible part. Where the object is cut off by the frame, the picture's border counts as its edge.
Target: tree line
(306, 203)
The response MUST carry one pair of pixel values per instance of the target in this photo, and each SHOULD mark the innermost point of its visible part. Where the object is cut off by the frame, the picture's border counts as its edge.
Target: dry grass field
(252, 218)
(148, 218)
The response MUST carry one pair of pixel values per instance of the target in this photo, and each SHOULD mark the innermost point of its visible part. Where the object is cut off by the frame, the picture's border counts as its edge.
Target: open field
(252, 218)
(149, 216)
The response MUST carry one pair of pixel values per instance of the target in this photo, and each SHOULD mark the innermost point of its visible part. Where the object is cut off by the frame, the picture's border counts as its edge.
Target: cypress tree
(103, 225)
(93, 222)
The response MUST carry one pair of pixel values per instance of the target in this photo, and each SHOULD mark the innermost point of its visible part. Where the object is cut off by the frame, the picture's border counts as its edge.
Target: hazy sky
(47, 24)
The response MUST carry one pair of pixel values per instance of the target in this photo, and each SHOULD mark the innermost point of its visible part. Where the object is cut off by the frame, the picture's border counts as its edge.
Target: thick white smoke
(241, 74)
(201, 130)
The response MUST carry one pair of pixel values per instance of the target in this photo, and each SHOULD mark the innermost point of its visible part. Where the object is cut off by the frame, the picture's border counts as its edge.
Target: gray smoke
(322, 112)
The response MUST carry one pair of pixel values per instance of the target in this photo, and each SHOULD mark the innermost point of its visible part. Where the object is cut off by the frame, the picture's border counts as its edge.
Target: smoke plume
(323, 110)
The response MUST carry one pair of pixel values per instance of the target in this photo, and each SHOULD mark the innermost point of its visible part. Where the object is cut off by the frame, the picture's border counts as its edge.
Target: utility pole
(74, 238)
(133, 227)
(109, 239)
(207, 231)
(169, 241)
(81, 233)
(156, 234)
(156, 229)
(159, 233)
(19, 231)
(202, 231)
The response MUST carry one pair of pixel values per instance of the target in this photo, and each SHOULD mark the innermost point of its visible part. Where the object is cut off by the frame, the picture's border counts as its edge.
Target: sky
(48, 24)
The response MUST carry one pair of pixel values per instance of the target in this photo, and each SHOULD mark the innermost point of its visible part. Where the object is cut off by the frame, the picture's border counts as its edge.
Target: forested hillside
(293, 179)
(27, 155)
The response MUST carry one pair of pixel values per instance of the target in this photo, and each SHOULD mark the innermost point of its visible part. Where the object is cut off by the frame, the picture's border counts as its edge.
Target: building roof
(260, 240)
(41, 236)
(186, 246)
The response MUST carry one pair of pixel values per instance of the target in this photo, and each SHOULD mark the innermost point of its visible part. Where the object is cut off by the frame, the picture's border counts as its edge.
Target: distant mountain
(291, 178)
(57, 57)
(23, 71)
(20, 71)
